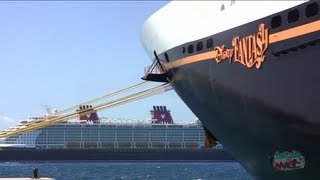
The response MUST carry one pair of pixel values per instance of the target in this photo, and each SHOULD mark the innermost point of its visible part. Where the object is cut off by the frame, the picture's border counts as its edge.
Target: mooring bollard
(34, 173)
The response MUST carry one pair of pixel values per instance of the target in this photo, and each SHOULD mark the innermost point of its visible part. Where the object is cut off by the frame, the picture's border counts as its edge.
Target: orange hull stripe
(191, 59)
(276, 37)
(295, 32)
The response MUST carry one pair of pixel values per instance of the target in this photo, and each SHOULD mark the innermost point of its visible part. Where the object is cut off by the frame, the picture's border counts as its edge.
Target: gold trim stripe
(191, 59)
(294, 32)
(275, 37)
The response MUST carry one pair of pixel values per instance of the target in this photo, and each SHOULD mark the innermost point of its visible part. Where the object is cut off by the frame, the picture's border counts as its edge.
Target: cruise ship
(249, 71)
(105, 139)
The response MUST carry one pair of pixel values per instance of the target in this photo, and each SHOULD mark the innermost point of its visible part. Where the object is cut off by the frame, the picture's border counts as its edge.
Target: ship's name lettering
(223, 54)
(249, 50)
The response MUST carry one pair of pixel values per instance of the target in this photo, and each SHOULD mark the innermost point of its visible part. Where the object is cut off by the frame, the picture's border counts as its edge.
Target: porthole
(293, 16)
(209, 43)
(190, 48)
(312, 9)
(276, 21)
(199, 46)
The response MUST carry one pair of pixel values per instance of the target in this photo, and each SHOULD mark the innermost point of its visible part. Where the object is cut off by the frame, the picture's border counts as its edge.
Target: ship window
(293, 16)
(199, 46)
(276, 21)
(209, 43)
(190, 48)
(312, 9)
(166, 56)
(183, 49)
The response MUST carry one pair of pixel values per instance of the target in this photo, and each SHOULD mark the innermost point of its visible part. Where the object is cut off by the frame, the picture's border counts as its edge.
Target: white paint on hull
(183, 21)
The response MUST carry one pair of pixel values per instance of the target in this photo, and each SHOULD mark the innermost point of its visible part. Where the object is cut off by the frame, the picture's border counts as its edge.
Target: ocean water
(135, 170)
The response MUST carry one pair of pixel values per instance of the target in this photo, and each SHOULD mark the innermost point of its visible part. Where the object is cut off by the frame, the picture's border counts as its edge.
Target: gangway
(71, 113)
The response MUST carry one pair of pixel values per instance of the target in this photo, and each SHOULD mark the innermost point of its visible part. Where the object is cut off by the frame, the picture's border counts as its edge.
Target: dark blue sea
(136, 170)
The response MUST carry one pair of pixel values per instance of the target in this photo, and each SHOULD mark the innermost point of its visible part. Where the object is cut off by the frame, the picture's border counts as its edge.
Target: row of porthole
(293, 16)
(199, 46)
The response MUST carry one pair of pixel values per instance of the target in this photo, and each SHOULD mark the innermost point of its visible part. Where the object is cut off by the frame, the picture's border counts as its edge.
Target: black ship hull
(106, 155)
(258, 108)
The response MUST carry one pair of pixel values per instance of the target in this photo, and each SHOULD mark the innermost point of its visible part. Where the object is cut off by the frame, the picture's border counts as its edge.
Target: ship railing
(152, 70)
(156, 67)
(156, 71)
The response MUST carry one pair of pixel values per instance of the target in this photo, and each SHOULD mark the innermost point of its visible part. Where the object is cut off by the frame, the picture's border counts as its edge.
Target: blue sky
(63, 53)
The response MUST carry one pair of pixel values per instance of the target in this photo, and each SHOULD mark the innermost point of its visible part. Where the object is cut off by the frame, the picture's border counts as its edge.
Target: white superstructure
(183, 21)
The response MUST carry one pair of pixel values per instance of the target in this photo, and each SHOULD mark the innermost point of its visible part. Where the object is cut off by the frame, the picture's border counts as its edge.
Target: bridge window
(276, 21)
(293, 16)
(209, 43)
(312, 9)
(199, 46)
(190, 48)
(183, 49)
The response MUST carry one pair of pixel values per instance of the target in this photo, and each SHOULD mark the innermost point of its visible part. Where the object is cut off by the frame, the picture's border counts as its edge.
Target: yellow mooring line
(71, 113)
